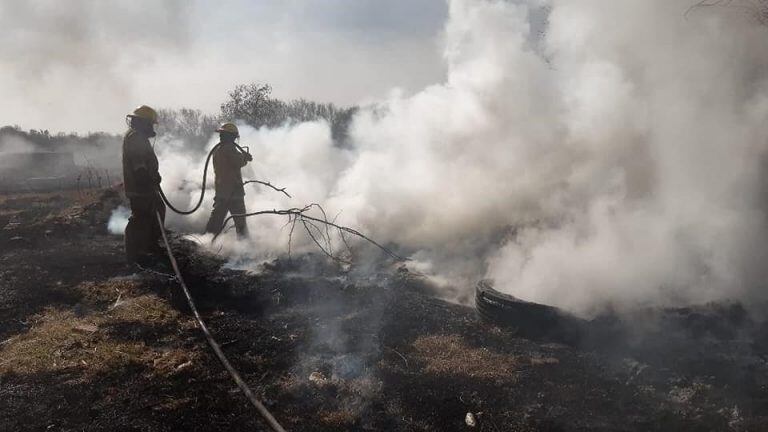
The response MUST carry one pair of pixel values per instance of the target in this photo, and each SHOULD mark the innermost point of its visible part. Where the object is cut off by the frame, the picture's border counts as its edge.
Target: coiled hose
(202, 192)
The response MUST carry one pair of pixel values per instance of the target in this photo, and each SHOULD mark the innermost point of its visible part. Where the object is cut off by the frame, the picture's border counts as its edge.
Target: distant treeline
(13, 138)
(252, 104)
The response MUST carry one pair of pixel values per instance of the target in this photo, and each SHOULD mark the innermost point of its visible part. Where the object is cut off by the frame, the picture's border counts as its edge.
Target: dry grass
(450, 355)
(109, 291)
(59, 339)
(341, 418)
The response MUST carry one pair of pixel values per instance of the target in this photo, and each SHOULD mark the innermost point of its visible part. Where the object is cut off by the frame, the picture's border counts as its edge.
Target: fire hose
(202, 192)
(263, 411)
(205, 179)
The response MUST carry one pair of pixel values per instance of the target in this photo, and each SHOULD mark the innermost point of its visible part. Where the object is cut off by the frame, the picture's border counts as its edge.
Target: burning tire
(530, 320)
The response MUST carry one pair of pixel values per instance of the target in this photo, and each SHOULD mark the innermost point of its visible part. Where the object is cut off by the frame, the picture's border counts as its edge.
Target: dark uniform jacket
(140, 167)
(227, 161)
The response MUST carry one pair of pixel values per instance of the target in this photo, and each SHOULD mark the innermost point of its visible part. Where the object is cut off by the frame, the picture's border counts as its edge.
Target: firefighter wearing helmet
(228, 159)
(141, 179)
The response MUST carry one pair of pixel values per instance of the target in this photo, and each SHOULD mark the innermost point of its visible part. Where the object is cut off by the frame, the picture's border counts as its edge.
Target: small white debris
(86, 328)
(183, 365)
(470, 420)
(317, 378)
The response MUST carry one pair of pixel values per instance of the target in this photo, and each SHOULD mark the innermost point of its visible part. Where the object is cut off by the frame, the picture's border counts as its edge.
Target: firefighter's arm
(236, 159)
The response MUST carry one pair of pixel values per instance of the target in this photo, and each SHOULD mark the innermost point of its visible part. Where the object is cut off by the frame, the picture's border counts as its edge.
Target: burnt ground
(90, 344)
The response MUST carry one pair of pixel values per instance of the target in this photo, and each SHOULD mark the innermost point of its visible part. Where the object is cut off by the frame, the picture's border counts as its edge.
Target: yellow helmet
(229, 128)
(145, 112)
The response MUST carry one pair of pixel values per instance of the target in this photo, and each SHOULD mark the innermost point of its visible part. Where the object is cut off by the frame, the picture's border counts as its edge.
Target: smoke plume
(612, 157)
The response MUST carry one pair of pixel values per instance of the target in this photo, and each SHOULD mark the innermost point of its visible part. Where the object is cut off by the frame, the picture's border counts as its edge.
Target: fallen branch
(300, 214)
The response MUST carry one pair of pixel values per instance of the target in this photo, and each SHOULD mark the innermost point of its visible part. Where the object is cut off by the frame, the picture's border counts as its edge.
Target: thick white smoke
(612, 158)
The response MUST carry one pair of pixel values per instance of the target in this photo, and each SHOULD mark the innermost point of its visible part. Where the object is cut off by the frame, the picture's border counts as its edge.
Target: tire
(530, 320)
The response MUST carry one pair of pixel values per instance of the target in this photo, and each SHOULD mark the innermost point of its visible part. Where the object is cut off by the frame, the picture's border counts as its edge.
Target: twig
(327, 228)
(268, 184)
(155, 272)
(117, 302)
(326, 237)
(344, 240)
(314, 239)
(228, 343)
(341, 234)
(290, 234)
(10, 339)
(401, 356)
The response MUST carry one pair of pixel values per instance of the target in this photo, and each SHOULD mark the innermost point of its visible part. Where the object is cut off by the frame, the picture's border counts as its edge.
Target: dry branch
(268, 184)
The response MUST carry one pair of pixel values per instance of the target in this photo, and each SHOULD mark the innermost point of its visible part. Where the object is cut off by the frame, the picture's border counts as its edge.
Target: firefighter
(141, 179)
(228, 159)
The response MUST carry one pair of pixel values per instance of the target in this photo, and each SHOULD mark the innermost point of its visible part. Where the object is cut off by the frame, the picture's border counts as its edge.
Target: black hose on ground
(263, 411)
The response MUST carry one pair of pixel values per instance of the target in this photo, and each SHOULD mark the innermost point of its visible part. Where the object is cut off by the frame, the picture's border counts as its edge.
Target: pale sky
(81, 65)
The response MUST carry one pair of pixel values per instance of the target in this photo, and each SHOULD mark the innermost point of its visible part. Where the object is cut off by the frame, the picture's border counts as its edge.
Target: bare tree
(253, 103)
(189, 125)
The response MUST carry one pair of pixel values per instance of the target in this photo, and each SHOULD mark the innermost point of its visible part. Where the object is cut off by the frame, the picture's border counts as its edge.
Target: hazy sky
(80, 65)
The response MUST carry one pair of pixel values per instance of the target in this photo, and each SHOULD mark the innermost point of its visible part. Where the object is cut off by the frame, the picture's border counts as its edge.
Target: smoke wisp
(118, 220)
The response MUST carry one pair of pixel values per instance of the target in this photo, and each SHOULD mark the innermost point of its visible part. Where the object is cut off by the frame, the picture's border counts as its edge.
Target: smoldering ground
(589, 163)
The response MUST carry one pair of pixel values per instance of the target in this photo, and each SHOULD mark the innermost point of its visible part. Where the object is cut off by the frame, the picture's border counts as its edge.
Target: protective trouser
(235, 206)
(143, 231)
